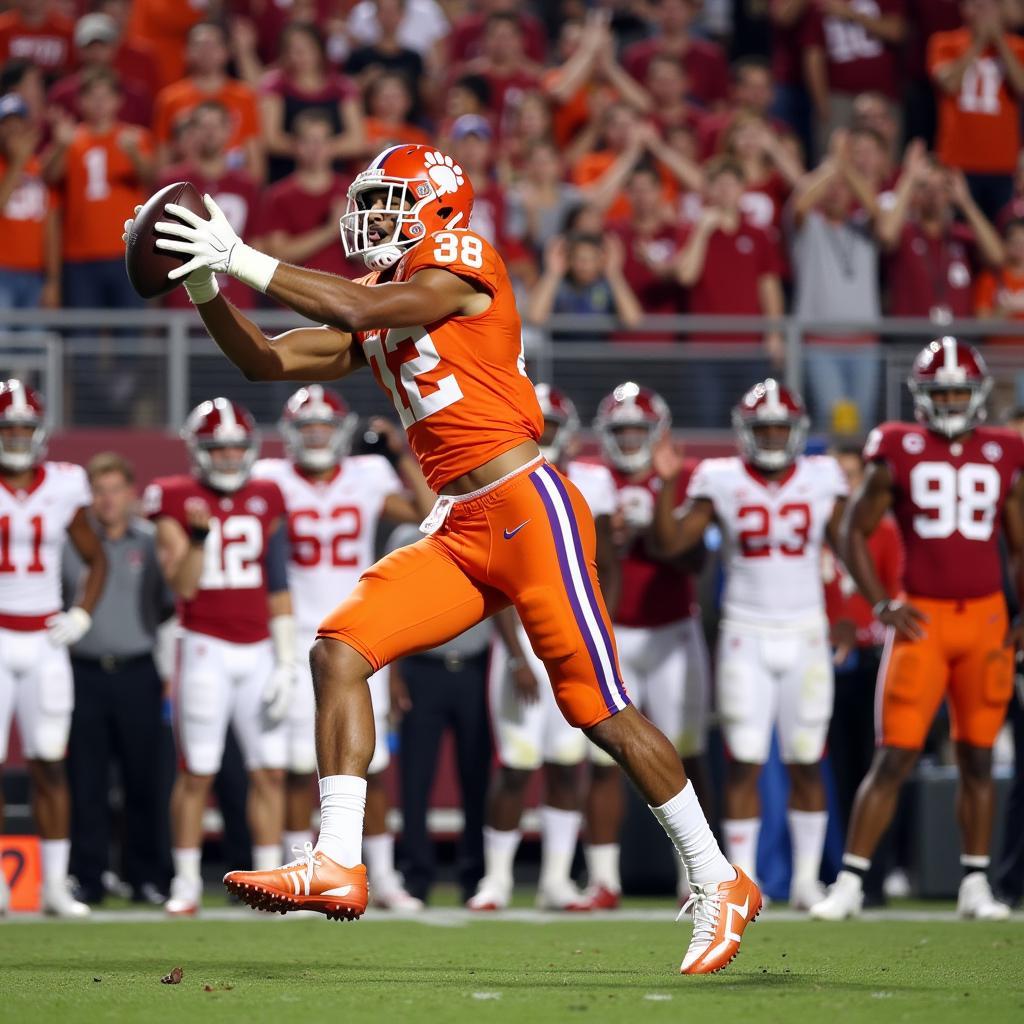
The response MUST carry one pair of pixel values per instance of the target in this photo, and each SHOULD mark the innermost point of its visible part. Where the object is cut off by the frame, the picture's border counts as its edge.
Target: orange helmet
(425, 190)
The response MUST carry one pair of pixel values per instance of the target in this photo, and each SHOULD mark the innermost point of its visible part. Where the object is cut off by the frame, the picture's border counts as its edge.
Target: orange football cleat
(721, 911)
(311, 882)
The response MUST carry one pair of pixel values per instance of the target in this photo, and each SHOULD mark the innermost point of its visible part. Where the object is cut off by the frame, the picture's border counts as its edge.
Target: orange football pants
(963, 657)
(526, 540)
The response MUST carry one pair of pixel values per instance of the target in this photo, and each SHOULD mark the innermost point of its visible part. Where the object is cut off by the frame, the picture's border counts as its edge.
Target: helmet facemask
(363, 225)
(629, 458)
(771, 457)
(948, 418)
(18, 454)
(317, 458)
(214, 473)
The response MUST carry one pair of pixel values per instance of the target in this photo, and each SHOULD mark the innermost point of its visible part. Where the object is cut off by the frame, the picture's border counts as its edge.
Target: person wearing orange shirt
(1000, 292)
(208, 79)
(164, 25)
(30, 254)
(32, 32)
(105, 167)
(389, 103)
(978, 73)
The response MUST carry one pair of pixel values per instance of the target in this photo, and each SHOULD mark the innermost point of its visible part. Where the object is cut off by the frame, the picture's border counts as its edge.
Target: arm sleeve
(275, 561)
(701, 483)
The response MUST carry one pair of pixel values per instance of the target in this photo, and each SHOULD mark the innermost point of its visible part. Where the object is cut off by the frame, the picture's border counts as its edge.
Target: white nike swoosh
(342, 890)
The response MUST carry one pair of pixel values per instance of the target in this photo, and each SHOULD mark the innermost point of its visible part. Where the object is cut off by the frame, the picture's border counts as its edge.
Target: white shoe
(490, 895)
(394, 897)
(562, 896)
(805, 893)
(896, 885)
(5, 895)
(58, 901)
(184, 899)
(845, 899)
(975, 900)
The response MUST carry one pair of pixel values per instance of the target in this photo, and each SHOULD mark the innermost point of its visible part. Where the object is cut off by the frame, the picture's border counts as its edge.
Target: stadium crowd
(838, 160)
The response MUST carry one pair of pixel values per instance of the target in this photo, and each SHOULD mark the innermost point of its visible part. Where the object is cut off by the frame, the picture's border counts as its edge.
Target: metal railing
(148, 368)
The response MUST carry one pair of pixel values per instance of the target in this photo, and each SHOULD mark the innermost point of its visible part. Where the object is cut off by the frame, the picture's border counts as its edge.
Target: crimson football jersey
(231, 602)
(948, 496)
(652, 593)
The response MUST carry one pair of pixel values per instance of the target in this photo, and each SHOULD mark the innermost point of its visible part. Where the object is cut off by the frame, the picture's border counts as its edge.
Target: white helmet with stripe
(21, 406)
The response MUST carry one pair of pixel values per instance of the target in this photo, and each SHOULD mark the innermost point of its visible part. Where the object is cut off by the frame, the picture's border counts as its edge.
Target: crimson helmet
(947, 364)
(631, 405)
(425, 189)
(768, 402)
(21, 406)
(317, 405)
(221, 423)
(558, 408)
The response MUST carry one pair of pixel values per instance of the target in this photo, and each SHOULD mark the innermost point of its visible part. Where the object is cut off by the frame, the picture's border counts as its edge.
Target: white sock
(558, 833)
(292, 841)
(807, 836)
(741, 836)
(603, 866)
(342, 807)
(499, 854)
(56, 853)
(684, 822)
(379, 857)
(186, 863)
(266, 858)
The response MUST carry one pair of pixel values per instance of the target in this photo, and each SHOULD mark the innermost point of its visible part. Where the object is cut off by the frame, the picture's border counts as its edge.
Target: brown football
(147, 265)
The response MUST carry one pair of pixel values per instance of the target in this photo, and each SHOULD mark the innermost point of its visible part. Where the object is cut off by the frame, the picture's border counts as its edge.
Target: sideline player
(334, 503)
(775, 507)
(528, 728)
(442, 334)
(659, 636)
(41, 503)
(951, 483)
(221, 548)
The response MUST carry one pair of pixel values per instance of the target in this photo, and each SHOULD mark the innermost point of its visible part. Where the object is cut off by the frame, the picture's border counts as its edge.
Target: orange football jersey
(459, 385)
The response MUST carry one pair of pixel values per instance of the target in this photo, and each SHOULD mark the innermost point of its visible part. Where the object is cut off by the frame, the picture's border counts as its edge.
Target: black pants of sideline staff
(116, 721)
(1010, 867)
(444, 695)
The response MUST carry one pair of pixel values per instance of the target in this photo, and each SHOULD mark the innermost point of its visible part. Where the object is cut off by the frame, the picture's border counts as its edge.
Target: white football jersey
(596, 484)
(772, 534)
(332, 525)
(33, 527)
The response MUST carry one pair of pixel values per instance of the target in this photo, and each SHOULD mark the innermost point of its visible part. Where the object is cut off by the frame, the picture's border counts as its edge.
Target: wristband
(198, 534)
(885, 606)
(251, 267)
(201, 288)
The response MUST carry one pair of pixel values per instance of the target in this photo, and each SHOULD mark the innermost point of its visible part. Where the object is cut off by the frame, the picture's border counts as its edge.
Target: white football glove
(67, 628)
(214, 244)
(277, 694)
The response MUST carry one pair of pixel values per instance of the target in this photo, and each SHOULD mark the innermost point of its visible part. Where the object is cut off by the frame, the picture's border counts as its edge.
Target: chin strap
(383, 257)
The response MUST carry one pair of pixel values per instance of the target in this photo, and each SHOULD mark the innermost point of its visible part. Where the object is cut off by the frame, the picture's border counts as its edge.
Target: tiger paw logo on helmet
(444, 173)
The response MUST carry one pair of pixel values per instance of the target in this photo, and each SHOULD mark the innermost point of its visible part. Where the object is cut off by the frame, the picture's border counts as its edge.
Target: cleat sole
(273, 902)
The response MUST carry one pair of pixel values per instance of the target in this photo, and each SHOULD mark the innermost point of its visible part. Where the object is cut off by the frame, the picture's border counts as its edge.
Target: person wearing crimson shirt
(211, 173)
(850, 46)
(30, 31)
(932, 257)
(164, 28)
(467, 36)
(704, 62)
(300, 213)
(792, 100)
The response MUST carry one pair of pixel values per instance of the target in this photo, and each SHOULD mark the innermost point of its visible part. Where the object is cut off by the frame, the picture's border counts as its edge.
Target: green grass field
(269, 969)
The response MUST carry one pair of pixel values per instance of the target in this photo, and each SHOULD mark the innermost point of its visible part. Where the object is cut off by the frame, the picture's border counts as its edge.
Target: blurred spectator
(850, 46)
(105, 168)
(467, 36)
(209, 169)
(468, 94)
(118, 694)
(257, 27)
(24, 79)
(29, 225)
(667, 86)
(96, 37)
(388, 53)
(1000, 292)
(424, 25)
(929, 269)
(472, 147)
(924, 19)
(135, 60)
(208, 80)
(503, 62)
(583, 276)
(869, 157)
(538, 202)
(304, 81)
(792, 101)
(834, 255)
(979, 78)
(872, 112)
(1014, 209)
(389, 106)
(706, 69)
(528, 123)
(299, 218)
(30, 30)
(165, 28)
(753, 95)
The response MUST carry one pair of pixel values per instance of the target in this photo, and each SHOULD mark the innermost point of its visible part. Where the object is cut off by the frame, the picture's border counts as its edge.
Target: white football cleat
(394, 897)
(562, 896)
(58, 901)
(896, 885)
(845, 899)
(721, 912)
(5, 895)
(976, 902)
(184, 899)
(806, 893)
(490, 895)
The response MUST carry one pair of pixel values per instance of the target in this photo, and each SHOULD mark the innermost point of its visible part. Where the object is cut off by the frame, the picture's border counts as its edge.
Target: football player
(222, 549)
(436, 320)
(657, 628)
(953, 485)
(41, 503)
(334, 502)
(775, 507)
(528, 728)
